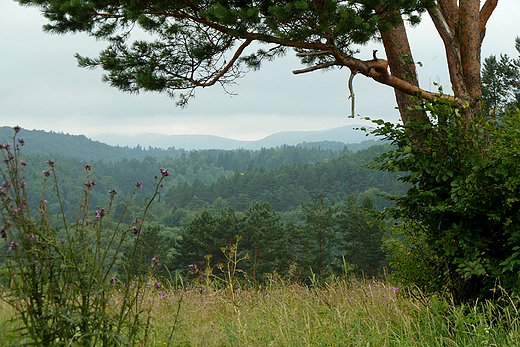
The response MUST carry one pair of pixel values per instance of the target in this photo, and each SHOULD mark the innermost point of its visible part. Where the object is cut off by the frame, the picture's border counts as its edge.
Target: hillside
(83, 148)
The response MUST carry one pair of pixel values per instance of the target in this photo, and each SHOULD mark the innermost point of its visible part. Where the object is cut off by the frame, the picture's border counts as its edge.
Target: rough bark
(401, 65)
(470, 43)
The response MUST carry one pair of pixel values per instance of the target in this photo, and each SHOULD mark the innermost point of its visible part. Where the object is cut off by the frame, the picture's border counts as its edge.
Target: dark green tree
(320, 226)
(361, 239)
(264, 238)
(501, 82)
(205, 237)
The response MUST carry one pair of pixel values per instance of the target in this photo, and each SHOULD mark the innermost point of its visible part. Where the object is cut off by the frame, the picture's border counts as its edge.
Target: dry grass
(339, 314)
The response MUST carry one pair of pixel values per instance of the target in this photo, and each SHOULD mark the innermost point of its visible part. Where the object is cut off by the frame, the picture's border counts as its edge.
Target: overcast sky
(42, 87)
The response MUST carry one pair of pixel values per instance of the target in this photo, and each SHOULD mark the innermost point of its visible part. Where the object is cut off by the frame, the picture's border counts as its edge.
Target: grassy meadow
(337, 314)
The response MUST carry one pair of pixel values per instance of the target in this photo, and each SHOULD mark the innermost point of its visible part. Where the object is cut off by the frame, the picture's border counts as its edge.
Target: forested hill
(82, 148)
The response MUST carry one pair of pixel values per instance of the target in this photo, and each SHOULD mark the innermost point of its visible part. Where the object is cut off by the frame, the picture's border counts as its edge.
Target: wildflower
(100, 213)
(155, 261)
(5, 145)
(50, 162)
(87, 167)
(164, 172)
(113, 280)
(138, 220)
(17, 128)
(135, 230)
(23, 184)
(30, 238)
(21, 141)
(157, 285)
(23, 163)
(193, 269)
(13, 245)
(90, 184)
(139, 185)
(46, 173)
(112, 191)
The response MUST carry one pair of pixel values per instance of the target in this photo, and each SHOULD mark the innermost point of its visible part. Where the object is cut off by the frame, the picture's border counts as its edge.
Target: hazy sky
(42, 87)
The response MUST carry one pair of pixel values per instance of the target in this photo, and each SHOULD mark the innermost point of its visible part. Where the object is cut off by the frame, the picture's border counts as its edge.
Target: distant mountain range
(346, 134)
(162, 146)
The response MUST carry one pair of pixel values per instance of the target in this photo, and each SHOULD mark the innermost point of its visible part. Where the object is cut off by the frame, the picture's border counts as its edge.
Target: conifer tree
(361, 243)
(320, 224)
(200, 43)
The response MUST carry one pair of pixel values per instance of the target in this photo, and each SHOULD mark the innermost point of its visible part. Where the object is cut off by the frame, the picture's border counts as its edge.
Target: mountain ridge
(346, 134)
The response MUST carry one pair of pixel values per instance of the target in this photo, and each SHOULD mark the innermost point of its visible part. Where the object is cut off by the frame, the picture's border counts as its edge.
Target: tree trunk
(400, 61)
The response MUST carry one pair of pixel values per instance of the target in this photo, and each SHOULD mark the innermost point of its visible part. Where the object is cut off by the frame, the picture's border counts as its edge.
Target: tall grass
(340, 313)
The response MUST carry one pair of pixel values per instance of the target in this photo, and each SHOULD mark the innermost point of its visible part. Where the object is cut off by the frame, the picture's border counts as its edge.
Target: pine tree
(202, 43)
(320, 225)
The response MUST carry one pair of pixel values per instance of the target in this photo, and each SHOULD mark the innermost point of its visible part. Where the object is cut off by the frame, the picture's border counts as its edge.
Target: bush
(463, 202)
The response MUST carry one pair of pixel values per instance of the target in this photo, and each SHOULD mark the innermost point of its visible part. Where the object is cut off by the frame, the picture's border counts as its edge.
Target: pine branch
(315, 67)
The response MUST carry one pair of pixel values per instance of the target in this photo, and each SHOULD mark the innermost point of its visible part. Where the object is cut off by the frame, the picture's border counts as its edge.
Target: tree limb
(229, 65)
(450, 12)
(311, 54)
(485, 13)
(315, 67)
(352, 96)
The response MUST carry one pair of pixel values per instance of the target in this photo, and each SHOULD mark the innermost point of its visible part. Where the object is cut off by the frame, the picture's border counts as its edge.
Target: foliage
(319, 246)
(202, 43)
(320, 226)
(361, 238)
(463, 201)
(500, 82)
(59, 276)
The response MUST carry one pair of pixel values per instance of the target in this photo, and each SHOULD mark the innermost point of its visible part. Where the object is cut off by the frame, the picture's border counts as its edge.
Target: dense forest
(297, 210)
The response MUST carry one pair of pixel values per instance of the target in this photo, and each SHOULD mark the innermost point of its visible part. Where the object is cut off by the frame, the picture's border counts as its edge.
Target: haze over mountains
(346, 134)
(163, 146)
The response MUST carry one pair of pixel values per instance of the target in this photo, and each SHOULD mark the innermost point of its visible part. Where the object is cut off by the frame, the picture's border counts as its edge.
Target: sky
(42, 87)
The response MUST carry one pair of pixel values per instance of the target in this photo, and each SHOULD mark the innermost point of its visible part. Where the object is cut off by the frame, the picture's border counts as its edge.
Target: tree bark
(470, 43)
(402, 66)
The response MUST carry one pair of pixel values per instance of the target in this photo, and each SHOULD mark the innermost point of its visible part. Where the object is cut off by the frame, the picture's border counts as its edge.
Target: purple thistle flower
(50, 162)
(113, 280)
(23, 162)
(157, 285)
(112, 191)
(138, 220)
(139, 185)
(87, 167)
(90, 184)
(164, 172)
(17, 128)
(135, 230)
(15, 245)
(5, 145)
(155, 261)
(100, 213)
(21, 141)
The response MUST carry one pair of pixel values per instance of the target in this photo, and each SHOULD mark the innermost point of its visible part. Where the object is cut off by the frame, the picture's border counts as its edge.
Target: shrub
(463, 203)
